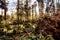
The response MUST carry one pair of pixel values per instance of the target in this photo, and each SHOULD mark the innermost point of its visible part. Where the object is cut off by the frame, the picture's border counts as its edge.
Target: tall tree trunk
(53, 7)
(5, 10)
(40, 2)
(18, 11)
(26, 9)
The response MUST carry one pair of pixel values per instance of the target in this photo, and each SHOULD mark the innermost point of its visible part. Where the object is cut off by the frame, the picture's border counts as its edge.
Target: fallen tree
(49, 25)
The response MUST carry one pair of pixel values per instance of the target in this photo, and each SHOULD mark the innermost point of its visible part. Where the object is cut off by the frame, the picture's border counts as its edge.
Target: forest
(29, 19)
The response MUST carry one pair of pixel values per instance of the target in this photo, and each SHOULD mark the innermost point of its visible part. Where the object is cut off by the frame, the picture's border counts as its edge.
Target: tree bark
(5, 9)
